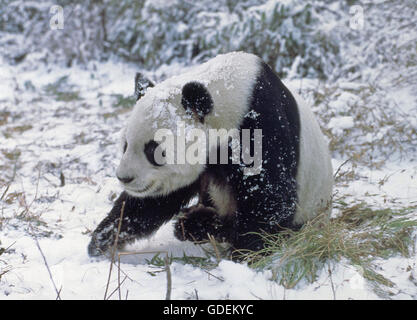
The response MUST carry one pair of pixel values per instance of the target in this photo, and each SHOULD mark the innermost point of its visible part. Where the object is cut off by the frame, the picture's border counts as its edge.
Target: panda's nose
(125, 180)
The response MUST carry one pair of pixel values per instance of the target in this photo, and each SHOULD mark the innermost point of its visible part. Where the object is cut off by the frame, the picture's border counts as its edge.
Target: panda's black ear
(141, 84)
(196, 98)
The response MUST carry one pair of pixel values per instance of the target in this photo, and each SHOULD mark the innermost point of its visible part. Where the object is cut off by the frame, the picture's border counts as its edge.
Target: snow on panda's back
(229, 79)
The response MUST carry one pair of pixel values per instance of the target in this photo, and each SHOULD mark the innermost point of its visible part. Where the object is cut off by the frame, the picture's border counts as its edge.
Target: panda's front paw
(104, 237)
(197, 223)
(100, 244)
(93, 249)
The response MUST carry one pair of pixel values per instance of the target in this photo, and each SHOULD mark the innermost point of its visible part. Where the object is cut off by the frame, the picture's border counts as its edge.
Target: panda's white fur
(315, 173)
(222, 197)
(229, 78)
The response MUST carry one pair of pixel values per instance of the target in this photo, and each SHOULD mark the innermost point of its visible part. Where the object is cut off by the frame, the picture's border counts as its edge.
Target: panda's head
(142, 169)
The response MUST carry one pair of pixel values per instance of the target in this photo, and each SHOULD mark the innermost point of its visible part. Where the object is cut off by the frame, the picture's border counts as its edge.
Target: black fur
(197, 99)
(141, 217)
(265, 202)
(141, 84)
(200, 221)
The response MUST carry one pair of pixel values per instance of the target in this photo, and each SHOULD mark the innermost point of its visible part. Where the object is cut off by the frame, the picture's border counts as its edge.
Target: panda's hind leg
(198, 222)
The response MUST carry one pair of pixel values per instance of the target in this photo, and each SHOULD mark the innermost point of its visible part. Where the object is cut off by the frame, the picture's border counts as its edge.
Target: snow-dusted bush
(289, 34)
(81, 39)
(286, 34)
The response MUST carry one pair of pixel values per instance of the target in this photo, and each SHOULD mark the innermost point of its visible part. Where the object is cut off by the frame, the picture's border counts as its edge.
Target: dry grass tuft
(360, 235)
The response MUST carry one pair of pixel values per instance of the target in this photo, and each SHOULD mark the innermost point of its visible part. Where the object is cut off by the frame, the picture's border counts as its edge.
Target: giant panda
(231, 91)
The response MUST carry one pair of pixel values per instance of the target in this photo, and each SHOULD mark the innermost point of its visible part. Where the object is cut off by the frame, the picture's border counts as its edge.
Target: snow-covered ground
(64, 154)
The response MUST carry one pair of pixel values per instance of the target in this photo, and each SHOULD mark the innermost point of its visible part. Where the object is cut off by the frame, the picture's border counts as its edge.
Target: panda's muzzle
(125, 180)
(147, 188)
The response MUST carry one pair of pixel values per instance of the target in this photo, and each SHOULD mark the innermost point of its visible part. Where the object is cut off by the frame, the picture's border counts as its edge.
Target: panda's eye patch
(150, 148)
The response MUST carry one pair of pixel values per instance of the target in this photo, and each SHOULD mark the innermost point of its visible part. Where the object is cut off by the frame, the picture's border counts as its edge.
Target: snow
(341, 123)
(395, 186)
(70, 211)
